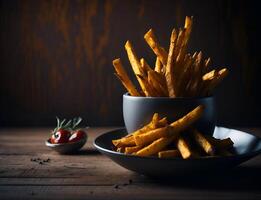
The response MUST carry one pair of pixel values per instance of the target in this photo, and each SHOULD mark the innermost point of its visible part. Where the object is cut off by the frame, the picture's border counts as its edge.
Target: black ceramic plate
(246, 147)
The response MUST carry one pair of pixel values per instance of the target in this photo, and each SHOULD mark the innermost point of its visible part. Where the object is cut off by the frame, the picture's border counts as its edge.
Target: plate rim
(249, 154)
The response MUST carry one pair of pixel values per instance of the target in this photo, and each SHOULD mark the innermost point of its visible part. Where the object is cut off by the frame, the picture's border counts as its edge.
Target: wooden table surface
(90, 175)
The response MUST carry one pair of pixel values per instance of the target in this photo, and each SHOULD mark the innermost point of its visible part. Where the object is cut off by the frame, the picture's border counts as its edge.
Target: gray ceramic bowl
(138, 111)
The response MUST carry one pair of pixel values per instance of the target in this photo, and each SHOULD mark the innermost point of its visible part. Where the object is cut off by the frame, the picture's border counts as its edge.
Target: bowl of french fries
(165, 139)
(170, 116)
(177, 82)
(164, 148)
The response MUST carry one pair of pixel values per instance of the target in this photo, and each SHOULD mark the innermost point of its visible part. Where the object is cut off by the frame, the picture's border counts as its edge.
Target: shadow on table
(239, 178)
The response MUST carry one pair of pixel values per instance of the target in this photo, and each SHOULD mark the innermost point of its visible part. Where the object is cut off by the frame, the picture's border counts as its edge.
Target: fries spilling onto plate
(175, 74)
(177, 139)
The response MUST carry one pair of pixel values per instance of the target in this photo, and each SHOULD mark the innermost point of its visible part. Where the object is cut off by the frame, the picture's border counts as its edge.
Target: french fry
(197, 75)
(150, 90)
(155, 146)
(161, 79)
(122, 75)
(206, 64)
(177, 66)
(210, 75)
(188, 29)
(220, 144)
(169, 154)
(129, 139)
(170, 79)
(154, 45)
(203, 142)
(155, 80)
(185, 75)
(214, 82)
(188, 119)
(185, 149)
(136, 66)
(172, 130)
(150, 136)
(158, 65)
(145, 66)
(179, 44)
(190, 81)
(163, 122)
(125, 141)
(134, 149)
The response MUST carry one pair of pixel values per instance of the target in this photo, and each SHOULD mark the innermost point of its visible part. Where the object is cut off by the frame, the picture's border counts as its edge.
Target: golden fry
(210, 75)
(130, 150)
(163, 122)
(125, 141)
(155, 146)
(206, 64)
(145, 66)
(158, 65)
(150, 90)
(196, 80)
(136, 66)
(203, 142)
(188, 119)
(215, 81)
(150, 136)
(184, 76)
(170, 79)
(169, 154)
(184, 148)
(188, 29)
(220, 144)
(155, 80)
(154, 45)
(129, 139)
(172, 130)
(122, 75)
(178, 45)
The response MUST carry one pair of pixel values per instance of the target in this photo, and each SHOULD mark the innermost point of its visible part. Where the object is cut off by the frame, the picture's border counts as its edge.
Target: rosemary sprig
(70, 125)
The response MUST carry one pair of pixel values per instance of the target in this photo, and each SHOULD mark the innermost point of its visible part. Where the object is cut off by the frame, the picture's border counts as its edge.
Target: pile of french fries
(177, 139)
(175, 74)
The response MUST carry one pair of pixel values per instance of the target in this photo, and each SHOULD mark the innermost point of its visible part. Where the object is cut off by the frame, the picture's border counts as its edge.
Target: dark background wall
(55, 56)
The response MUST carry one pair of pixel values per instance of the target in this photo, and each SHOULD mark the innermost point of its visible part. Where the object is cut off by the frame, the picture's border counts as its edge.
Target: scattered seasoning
(40, 161)
(91, 192)
(32, 193)
(116, 186)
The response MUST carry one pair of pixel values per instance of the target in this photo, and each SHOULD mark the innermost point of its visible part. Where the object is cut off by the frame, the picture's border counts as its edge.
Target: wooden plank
(244, 177)
(122, 192)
